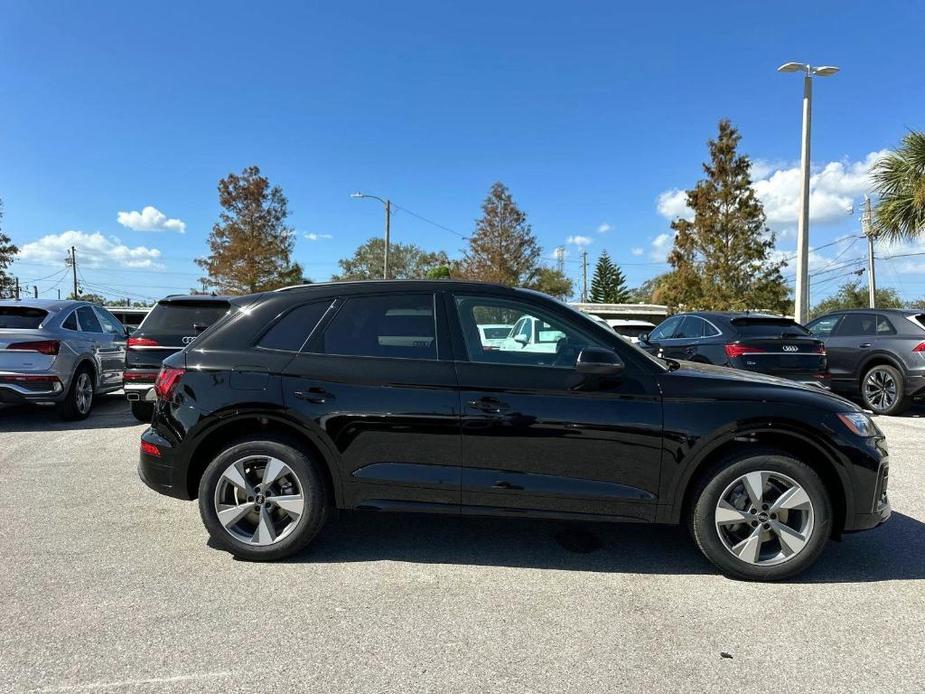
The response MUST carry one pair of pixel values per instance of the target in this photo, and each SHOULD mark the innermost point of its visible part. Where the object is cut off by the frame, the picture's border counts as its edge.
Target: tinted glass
(858, 324)
(691, 328)
(292, 330)
(540, 340)
(89, 323)
(21, 317)
(824, 326)
(383, 326)
(70, 323)
(180, 317)
(110, 324)
(884, 327)
(497, 333)
(665, 329)
(768, 327)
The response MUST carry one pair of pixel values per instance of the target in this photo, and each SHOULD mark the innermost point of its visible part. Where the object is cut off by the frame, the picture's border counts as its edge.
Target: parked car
(170, 325)
(631, 329)
(532, 334)
(493, 335)
(878, 354)
(600, 321)
(301, 401)
(749, 341)
(59, 352)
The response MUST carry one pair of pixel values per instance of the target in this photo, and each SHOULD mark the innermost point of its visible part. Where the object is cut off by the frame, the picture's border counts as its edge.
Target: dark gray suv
(878, 354)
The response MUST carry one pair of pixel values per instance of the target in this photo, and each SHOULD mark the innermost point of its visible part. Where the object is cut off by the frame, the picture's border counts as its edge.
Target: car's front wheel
(761, 516)
(262, 499)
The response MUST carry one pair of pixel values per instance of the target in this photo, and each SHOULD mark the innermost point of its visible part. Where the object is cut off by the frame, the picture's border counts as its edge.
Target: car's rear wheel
(79, 399)
(883, 390)
(142, 411)
(262, 499)
(761, 516)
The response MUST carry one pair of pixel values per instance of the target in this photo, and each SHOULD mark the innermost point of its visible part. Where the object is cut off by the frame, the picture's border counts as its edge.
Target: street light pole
(388, 228)
(801, 303)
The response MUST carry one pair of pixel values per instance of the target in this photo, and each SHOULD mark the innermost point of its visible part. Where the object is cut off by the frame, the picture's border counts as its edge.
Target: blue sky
(592, 113)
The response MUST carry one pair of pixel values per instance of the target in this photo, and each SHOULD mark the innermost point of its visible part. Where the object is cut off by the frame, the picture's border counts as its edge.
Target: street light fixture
(388, 224)
(801, 305)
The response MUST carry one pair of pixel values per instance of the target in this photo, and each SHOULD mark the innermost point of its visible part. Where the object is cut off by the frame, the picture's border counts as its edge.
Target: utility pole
(584, 276)
(59, 295)
(35, 290)
(72, 261)
(17, 289)
(388, 231)
(560, 259)
(868, 228)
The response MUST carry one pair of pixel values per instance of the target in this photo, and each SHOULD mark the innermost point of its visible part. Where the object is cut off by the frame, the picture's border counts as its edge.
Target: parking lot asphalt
(108, 586)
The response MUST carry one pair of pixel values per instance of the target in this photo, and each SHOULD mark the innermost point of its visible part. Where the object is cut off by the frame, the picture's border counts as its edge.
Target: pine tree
(721, 259)
(251, 246)
(608, 285)
(503, 248)
(7, 252)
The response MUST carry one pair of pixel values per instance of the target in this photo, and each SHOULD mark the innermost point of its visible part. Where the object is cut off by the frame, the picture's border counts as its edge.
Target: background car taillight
(736, 350)
(820, 348)
(166, 381)
(141, 342)
(44, 346)
(920, 347)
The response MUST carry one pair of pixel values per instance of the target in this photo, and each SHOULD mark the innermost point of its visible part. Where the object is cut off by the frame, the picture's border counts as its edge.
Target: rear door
(375, 382)
(112, 350)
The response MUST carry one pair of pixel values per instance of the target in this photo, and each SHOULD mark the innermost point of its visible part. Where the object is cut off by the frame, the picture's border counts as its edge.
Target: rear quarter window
(292, 330)
(21, 317)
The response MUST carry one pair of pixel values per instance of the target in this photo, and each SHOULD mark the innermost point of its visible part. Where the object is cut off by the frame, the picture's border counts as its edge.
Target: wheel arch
(879, 359)
(258, 424)
(823, 461)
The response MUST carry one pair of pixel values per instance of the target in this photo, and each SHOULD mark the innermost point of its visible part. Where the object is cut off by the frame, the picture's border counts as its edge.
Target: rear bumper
(139, 391)
(915, 385)
(164, 473)
(19, 388)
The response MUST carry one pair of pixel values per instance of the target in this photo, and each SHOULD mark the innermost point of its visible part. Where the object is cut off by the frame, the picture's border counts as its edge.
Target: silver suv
(59, 352)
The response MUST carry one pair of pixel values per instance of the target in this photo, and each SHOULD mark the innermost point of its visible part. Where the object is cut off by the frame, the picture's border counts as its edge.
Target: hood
(751, 385)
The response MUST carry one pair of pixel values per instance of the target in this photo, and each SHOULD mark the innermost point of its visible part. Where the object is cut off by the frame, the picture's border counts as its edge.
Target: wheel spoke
(749, 548)
(265, 534)
(236, 476)
(791, 541)
(272, 472)
(754, 485)
(792, 499)
(233, 514)
(727, 514)
(292, 504)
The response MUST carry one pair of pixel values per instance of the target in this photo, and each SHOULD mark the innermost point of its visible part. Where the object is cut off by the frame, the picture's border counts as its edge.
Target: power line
(429, 221)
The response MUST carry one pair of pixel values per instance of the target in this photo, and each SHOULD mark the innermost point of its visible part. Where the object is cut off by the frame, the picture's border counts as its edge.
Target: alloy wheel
(259, 500)
(83, 391)
(764, 518)
(880, 389)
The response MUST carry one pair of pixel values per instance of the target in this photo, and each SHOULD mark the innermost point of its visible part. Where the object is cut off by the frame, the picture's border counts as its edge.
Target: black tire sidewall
(704, 529)
(313, 490)
(901, 399)
(142, 411)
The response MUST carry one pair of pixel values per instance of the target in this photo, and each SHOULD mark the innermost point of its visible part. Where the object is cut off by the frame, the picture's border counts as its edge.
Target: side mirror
(521, 339)
(599, 362)
(644, 337)
(128, 330)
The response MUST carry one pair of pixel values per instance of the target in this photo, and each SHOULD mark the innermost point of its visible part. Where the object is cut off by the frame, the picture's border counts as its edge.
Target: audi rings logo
(188, 339)
(791, 348)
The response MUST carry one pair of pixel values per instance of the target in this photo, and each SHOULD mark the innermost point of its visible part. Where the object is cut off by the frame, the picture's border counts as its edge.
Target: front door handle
(504, 484)
(864, 345)
(489, 404)
(315, 394)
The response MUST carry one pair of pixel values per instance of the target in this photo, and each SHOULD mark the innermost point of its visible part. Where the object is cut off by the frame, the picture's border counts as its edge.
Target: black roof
(394, 285)
(733, 315)
(197, 298)
(898, 311)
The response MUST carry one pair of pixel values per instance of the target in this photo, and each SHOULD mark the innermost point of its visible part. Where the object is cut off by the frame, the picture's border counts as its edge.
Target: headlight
(859, 423)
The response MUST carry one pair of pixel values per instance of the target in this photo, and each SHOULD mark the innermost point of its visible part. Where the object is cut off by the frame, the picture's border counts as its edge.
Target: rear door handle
(489, 404)
(315, 394)
(864, 345)
(504, 484)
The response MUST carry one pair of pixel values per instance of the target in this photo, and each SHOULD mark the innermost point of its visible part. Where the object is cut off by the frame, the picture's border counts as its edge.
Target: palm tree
(899, 179)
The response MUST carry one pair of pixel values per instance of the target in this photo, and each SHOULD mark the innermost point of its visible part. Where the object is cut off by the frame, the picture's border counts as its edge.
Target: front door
(373, 382)
(539, 437)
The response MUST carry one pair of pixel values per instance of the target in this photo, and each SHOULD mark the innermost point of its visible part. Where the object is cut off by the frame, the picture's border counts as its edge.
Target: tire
(267, 530)
(883, 390)
(79, 399)
(142, 411)
(779, 543)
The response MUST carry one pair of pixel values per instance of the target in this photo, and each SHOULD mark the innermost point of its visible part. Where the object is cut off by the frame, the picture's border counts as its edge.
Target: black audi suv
(751, 341)
(383, 396)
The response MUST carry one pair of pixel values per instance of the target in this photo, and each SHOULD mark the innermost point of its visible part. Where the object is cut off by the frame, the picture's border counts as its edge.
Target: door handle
(864, 345)
(315, 394)
(489, 404)
(504, 484)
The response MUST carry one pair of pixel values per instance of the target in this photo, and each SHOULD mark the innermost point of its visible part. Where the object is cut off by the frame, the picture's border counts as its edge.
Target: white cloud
(661, 246)
(93, 250)
(604, 228)
(150, 219)
(637, 251)
(312, 236)
(673, 204)
(579, 240)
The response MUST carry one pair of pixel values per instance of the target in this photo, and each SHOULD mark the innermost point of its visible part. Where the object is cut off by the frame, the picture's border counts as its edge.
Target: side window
(109, 322)
(691, 328)
(884, 327)
(89, 323)
(393, 326)
(292, 330)
(555, 343)
(665, 329)
(70, 323)
(856, 324)
(823, 327)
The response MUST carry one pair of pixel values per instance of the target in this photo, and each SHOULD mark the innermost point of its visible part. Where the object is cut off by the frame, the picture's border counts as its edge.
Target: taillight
(820, 348)
(141, 342)
(150, 449)
(144, 376)
(43, 346)
(166, 381)
(736, 350)
(920, 347)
